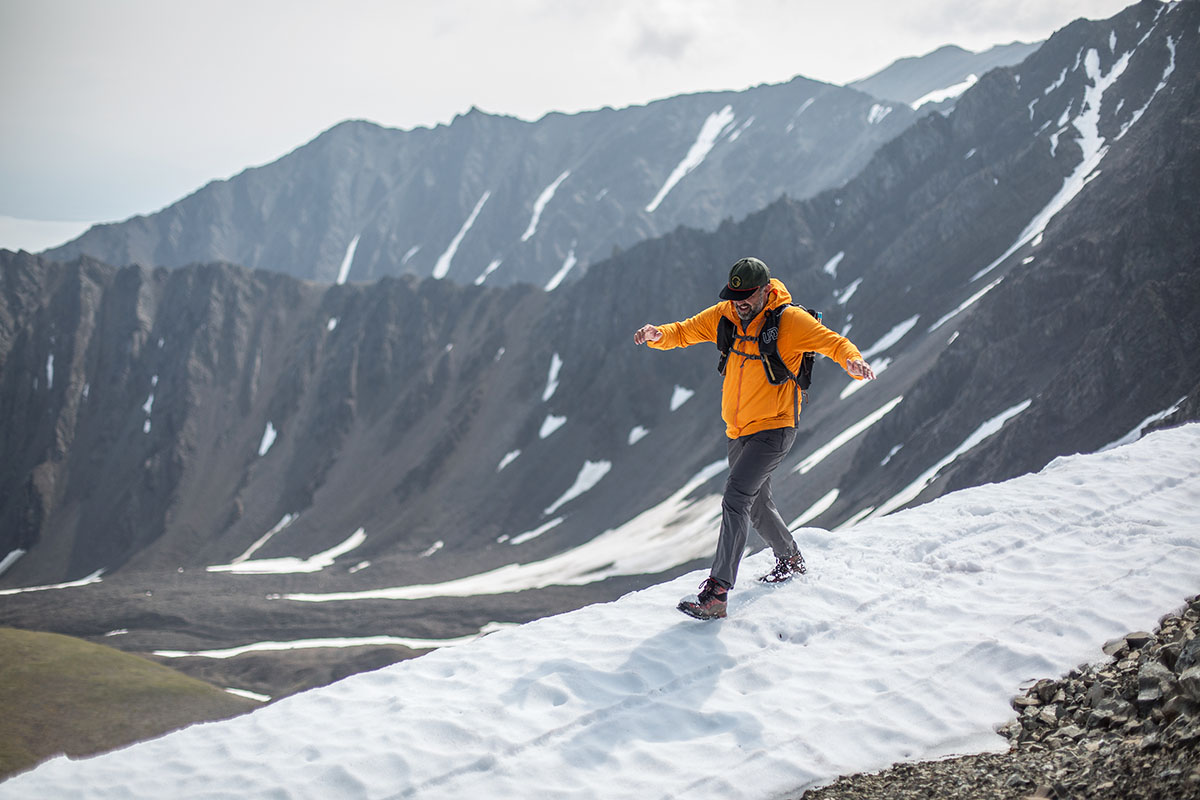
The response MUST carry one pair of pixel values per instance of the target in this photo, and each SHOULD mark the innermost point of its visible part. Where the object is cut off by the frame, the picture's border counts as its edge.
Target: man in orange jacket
(760, 417)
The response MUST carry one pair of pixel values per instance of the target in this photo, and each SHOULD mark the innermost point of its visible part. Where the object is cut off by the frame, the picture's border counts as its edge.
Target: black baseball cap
(746, 276)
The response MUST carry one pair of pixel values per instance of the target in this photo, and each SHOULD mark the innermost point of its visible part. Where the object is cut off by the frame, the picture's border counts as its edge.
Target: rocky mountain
(941, 76)
(498, 199)
(244, 456)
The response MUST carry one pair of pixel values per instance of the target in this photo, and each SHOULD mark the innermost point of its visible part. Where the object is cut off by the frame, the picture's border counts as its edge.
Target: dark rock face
(160, 419)
(497, 199)
(1128, 729)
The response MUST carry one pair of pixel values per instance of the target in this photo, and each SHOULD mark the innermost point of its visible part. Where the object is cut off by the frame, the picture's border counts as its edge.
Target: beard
(748, 313)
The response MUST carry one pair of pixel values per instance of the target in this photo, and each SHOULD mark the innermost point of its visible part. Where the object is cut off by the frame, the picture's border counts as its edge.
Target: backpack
(773, 364)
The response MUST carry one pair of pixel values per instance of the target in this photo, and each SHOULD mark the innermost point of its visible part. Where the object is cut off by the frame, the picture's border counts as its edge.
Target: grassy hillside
(65, 695)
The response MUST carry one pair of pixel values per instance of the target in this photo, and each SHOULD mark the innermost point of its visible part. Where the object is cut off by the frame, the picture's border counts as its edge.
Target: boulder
(1189, 683)
(1138, 639)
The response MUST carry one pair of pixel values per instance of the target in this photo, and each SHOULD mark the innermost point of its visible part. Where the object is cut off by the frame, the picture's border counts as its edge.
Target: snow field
(905, 642)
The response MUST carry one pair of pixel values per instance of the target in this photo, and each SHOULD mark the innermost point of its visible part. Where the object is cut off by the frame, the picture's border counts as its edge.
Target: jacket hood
(780, 296)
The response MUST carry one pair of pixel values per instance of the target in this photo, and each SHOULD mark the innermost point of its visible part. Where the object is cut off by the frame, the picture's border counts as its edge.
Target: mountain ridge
(359, 195)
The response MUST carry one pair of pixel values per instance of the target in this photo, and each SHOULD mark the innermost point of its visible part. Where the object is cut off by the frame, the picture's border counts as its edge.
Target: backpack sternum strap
(768, 350)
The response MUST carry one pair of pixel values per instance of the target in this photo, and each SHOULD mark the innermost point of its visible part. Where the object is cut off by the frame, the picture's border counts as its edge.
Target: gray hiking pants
(747, 501)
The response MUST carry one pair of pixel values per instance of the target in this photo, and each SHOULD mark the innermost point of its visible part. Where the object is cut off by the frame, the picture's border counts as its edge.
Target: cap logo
(736, 281)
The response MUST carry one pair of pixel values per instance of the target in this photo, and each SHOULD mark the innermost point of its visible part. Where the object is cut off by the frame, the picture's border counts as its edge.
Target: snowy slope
(905, 642)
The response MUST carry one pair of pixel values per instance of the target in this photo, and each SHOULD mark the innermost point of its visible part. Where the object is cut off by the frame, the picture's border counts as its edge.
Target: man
(760, 416)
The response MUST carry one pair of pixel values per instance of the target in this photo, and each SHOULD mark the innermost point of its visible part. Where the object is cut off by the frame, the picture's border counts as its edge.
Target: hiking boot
(710, 603)
(786, 568)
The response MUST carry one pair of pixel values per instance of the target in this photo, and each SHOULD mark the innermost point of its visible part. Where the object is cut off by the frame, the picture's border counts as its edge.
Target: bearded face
(750, 308)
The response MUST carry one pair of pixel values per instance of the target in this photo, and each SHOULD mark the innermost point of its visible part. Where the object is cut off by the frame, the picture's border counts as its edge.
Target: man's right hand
(647, 333)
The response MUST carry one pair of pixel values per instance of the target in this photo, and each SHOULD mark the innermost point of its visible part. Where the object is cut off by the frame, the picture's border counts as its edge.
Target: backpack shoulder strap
(768, 346)
(725, 337)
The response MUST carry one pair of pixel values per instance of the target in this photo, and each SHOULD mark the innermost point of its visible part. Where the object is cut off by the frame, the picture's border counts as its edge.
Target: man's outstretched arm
(693, 330)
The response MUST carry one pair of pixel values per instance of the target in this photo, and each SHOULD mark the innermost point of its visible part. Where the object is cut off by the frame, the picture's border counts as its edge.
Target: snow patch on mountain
(964, 305)
(308, 644)
(825, 451)
(290, 564)
(710, 131)
(1087, 123)
(10, 559)
(1162, 84)
(552, 379)
(589, 475)
(268, 439)
(284, 521)
(818, 508)
(891, 337)
(550, 424)
(509, 457)
(733, 137)
(680, 396)
(539, 205)
(987, 429)
(347, 260)
(844, 296)
(488, 270)
(567, 265)
(803, 107)
(442, 267)
(831, 265)
(148, 406)
(521, 538)
(1140, 428)
(877, 113)
(948, 93)
(90, 579)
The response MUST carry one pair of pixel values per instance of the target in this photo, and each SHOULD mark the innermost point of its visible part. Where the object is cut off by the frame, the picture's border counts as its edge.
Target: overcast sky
(121, 107)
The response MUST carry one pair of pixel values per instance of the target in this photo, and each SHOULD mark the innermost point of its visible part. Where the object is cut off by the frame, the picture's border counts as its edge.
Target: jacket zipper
(737, 411)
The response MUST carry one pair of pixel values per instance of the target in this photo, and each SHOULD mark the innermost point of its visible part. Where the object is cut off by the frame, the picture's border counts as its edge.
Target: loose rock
(1125, 730)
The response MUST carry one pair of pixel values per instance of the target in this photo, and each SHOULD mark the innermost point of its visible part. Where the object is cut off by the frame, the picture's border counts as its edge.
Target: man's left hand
(860, 369)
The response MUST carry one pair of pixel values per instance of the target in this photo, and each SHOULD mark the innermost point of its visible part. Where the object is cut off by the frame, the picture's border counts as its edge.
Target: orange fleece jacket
(749, 403)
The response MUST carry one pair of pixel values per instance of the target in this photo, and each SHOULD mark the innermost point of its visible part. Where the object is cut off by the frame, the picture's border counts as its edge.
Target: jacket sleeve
(802, 333)
(694, 330)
